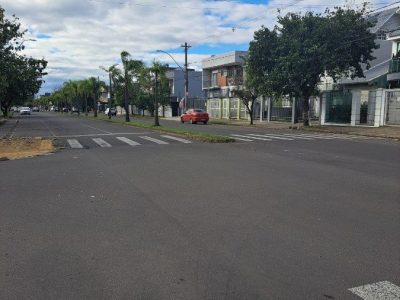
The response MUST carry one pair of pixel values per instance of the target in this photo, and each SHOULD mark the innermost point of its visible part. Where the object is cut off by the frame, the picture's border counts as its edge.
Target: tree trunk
(306, 111)
(126, 106)
(156, 121)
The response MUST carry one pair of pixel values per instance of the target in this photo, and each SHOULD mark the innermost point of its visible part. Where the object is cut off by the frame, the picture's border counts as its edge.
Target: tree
(305, 47)
(248, 97)
(131, 71)
(20, 76)
(156, 78)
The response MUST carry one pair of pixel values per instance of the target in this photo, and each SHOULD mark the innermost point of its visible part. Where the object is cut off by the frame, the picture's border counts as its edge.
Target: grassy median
(195, 135)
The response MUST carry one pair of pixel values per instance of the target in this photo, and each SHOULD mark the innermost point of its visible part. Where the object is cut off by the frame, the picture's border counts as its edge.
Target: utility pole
(156, 121)
(186, 47)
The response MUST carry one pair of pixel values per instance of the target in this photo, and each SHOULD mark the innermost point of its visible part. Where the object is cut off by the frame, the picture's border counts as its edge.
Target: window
(214, 79)
(381, 35)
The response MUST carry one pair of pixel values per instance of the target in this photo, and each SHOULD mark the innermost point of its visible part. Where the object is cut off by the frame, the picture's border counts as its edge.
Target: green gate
(338, 107)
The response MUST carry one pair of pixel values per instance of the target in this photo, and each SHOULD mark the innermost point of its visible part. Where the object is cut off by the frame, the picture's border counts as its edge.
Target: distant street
(128, 213)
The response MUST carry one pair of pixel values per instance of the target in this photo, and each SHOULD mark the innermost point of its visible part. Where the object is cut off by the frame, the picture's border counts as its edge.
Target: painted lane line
(177, 139)
(243, 140)
(383, 290)
(127, 141)
(272, 136)
(101, 143)
(250, 137)
(157, 141)
(74, 144)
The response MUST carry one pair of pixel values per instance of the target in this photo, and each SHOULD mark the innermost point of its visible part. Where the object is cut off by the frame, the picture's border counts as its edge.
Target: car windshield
(198, 110)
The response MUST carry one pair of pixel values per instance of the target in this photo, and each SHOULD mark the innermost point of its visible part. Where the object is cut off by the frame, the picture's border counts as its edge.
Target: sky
(76, 37)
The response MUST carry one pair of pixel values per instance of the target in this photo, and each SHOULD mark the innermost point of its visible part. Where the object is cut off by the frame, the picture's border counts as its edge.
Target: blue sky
(78, 36)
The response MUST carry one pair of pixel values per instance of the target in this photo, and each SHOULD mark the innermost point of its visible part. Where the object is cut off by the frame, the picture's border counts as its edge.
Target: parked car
(74, 110)
(195, 115)
(35, 109)
(24, 111)
(65, 109)
(56, 109)
(113, 111)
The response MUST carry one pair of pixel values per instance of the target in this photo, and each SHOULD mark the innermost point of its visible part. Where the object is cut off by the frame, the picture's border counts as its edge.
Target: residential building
(195, 99)
(361, 101)
(222, 74)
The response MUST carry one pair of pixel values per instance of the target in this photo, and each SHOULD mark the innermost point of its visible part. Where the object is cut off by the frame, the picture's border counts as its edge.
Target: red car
(195, 115)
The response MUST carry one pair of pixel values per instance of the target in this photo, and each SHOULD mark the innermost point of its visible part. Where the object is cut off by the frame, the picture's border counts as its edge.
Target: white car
(24, 111)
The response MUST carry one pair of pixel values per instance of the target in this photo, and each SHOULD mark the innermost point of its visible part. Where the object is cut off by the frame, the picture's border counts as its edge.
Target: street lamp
(185, 71)
(25, 40)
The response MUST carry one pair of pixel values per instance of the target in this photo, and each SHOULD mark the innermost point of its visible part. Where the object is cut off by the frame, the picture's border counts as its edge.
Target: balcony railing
(394, 66)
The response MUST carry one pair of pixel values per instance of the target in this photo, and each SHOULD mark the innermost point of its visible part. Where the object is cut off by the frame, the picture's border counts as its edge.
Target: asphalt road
(299, 218)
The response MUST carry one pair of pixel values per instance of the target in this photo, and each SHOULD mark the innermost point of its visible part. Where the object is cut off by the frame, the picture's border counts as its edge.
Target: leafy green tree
(291, 59)
(20, 76)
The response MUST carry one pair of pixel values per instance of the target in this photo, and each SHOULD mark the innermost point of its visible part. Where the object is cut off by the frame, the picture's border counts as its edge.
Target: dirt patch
(24, 147)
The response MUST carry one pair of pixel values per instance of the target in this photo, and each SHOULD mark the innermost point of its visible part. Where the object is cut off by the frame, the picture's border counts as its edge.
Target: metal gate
(393, 107)
(338, 107)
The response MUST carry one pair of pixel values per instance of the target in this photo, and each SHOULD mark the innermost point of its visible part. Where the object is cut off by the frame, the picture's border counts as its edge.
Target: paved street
(127, 213)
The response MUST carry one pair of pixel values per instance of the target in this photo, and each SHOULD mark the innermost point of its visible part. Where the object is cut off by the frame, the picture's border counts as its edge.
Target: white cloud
(84, 34)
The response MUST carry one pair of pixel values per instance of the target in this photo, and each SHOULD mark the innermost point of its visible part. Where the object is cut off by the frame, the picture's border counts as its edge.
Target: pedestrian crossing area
(103, 142)
(270, 137)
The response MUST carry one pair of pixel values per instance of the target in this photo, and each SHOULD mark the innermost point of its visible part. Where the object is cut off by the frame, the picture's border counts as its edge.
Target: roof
(381, 18)
(370, 75)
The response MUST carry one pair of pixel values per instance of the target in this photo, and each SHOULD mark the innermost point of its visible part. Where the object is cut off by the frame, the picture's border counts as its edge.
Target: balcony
(394, 70)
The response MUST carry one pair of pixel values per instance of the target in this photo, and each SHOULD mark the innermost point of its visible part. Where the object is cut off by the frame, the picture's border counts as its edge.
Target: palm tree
(131, 71)
(113, 73)
(159, 70)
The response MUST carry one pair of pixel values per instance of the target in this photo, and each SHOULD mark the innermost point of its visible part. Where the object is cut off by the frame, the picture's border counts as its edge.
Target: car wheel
(182, 121)
(205, 122)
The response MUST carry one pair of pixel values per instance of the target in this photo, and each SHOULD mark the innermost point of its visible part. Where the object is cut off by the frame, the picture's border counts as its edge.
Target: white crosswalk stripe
(272, 136)
(242, 139)
(157, 141)
(383, 290)
(252, 137)
(102, 143)
(127, 141)
(74, 144)
(298, 137)
(177, 139)
(292, 136)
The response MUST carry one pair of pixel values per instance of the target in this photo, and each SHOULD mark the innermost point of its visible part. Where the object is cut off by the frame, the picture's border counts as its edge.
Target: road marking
(157, 141)
(272, 136)
(295, 136)
(317, 136)
(244, 140)
(101, 143)
(100, 134)
(128, 141)
(97, 129)
(253, 137)
(74, 144)
(383, 290)
(177, 139)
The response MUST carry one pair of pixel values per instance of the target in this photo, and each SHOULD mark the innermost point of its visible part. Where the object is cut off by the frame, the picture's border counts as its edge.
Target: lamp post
(185, 71)
(25, 40)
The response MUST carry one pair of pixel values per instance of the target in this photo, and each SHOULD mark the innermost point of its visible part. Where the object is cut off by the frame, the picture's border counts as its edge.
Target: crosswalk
(250, 137)
(74, 143)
